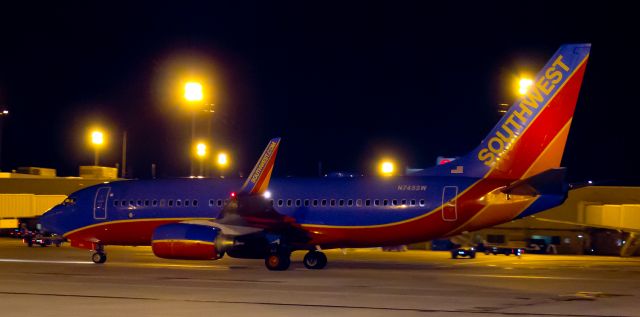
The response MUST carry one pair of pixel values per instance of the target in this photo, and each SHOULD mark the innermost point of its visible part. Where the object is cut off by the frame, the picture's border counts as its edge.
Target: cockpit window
(70, 201)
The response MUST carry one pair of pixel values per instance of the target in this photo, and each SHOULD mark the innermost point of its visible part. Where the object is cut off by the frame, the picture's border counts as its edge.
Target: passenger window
(404, 202)
(210, 202)
(421, 202)
(154, 202)
(298, 202)
(376, 202)
(170, 202)
(341, 202)
(306, 202)
(289, 202)
(367, 202)
(115, 203)
(195, 203)
(332, 202)
(280, 202)
(161, 202)
(178, 203)
(219, 202)
(359, 203)
(385, 202)
(413, 202)
(186, 202)
(350, 202)
(271, 202)
(394, 202)
(132, 203)
(147, 202)
(324, 202)
(139, 202)
(315, 203)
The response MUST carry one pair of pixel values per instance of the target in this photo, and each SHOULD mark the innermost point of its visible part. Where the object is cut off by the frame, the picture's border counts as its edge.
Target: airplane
(514, 172)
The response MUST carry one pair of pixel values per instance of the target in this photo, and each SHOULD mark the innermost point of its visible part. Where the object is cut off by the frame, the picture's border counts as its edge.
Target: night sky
(344, 84)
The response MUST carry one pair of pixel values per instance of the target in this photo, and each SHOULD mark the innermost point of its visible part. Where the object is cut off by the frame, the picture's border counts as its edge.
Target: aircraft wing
(249, 211)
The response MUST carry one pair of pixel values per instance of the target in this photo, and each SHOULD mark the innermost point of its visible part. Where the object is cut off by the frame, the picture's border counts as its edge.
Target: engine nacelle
(186, 242)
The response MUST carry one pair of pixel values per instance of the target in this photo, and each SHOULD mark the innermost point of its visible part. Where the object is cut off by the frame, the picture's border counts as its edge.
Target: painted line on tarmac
(390, 309)
(43, 261)
(522, 276)
(122, 264)
(484, 262)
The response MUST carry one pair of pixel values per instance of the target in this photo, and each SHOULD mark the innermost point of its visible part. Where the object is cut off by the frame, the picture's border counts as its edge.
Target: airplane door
(449, 203)
(100, 203)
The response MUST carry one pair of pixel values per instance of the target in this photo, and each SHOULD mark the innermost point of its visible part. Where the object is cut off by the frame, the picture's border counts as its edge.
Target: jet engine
(186, 241)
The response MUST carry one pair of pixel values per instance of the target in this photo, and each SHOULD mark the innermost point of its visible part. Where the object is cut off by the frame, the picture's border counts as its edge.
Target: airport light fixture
(223, 159)
(193, 91)
(387, 168)
(193, 94)
(524, 85)
(201, 150)
(97, 140)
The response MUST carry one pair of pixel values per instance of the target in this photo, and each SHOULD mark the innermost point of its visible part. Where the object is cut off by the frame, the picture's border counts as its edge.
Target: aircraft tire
(315, 260)
(278, 261)
(99, 258)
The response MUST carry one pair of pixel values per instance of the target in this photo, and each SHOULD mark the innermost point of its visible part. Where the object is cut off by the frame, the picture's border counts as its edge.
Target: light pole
(193, 94)
(97, 139)
(3, 113)
(222, 162)
(201, 152)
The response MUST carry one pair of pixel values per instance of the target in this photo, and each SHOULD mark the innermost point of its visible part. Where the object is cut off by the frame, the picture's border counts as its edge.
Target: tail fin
(531, 136)
(258, 180)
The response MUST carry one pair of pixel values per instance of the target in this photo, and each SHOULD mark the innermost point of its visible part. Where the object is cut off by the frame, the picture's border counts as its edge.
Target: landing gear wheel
(278, 261)
(315, 260)
(99, 258)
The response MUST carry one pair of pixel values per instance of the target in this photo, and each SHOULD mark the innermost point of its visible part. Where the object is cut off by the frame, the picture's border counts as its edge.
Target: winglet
(258, 180)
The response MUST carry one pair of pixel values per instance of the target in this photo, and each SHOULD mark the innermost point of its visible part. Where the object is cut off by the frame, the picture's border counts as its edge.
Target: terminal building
(593, 220)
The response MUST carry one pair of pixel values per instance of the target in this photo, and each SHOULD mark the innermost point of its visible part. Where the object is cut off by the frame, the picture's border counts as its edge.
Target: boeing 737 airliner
(513, 173)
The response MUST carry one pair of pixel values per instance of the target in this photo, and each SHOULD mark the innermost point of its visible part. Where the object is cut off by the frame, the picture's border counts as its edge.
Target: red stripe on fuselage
(421, 229)
(120, 233)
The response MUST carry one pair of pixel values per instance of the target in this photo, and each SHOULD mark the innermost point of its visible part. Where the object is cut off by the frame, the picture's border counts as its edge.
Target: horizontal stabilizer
(551, 181)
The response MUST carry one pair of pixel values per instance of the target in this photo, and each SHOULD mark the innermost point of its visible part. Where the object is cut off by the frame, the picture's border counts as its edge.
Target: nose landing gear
(278, 261)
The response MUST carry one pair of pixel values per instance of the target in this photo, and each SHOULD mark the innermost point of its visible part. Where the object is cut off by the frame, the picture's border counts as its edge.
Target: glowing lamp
(193, 91)
(524, 83)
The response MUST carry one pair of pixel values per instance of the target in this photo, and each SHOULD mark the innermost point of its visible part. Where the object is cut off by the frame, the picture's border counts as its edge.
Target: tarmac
(63, 281)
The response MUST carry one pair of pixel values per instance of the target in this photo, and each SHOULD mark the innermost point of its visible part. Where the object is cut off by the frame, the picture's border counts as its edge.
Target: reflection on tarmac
(358, 283)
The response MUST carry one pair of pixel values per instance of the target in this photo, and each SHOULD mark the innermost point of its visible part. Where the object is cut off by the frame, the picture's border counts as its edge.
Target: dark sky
(342, 83)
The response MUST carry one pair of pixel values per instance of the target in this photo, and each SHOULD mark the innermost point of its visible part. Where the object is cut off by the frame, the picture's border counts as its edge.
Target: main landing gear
(99, 256)
(281, 260)
(315, 260)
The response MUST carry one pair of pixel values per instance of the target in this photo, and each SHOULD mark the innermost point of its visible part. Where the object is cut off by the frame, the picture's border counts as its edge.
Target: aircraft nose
(49, 221)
